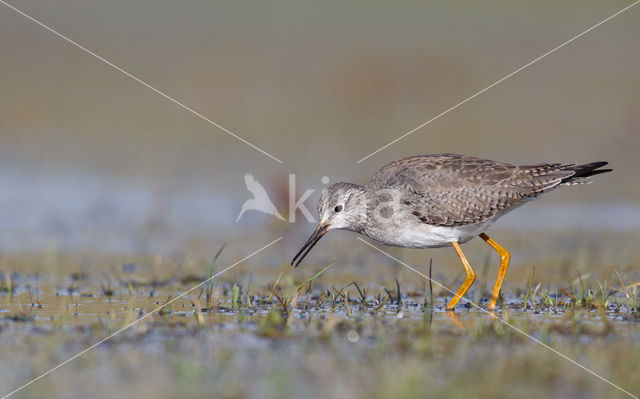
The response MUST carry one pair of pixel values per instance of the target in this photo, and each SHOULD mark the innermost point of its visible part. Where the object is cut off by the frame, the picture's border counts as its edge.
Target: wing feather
(454, 190)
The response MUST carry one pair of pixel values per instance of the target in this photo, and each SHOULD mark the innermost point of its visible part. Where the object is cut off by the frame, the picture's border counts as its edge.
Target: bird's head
(341, 206)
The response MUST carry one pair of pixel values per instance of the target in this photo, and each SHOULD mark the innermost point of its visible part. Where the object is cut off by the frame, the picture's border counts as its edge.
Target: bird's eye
(338, 208)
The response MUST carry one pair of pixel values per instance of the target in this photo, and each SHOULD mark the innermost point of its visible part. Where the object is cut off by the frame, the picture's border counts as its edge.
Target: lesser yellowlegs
(432, 201)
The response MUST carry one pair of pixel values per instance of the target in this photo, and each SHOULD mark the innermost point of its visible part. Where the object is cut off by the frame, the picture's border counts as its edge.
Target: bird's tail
(583, 172)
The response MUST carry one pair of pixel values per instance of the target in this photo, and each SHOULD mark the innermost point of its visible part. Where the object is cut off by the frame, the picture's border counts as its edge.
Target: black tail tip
(590, 169)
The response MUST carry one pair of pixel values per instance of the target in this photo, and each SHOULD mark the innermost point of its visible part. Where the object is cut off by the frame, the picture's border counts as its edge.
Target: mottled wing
(454, 190)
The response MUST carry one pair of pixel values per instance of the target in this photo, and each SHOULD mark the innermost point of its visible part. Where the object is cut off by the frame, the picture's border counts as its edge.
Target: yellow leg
(505, 256)
(469, 279)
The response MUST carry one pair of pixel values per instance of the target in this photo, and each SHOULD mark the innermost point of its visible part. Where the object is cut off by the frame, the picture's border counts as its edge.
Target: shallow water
(35, 306)
(250, 335)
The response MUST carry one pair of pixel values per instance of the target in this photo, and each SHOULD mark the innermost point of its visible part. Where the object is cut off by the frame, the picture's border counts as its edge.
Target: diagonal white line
(497, 82)
(502, 321)
(138, 320)
(142, 82)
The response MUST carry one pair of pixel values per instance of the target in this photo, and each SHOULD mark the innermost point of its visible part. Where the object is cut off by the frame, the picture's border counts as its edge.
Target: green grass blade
(315, 276)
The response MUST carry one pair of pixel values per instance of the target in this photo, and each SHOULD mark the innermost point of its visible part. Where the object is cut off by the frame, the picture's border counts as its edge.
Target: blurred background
(91, 160)
(113, 198)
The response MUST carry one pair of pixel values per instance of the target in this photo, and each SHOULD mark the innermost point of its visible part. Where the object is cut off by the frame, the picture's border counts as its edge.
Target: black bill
(313, 240)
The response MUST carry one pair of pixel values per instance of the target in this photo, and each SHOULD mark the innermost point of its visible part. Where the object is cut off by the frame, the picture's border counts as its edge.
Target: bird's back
(454, 190)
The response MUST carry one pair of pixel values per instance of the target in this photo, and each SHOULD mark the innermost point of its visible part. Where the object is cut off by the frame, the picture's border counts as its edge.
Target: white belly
(426, 236)
(409, 232)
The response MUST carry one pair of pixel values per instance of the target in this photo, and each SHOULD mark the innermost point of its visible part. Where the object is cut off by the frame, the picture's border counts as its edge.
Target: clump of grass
(210, 284)
(397, 299)
(380, 303)
(604, 292)
(362, 293)
(526, 298)
(245, 300)
(236, 296)
(337, 296)
(584, 296)
(280, 316)
(548, 300)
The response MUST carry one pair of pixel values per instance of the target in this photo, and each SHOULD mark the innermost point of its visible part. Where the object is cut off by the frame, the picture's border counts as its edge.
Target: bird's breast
(410, 234)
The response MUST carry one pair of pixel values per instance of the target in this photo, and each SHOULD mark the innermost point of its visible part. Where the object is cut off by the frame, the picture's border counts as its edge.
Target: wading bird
(432, 201)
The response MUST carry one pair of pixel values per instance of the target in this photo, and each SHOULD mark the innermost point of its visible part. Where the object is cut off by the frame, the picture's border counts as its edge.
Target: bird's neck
(358, 204)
